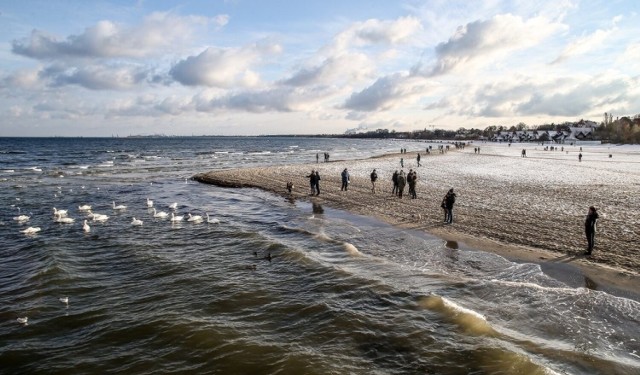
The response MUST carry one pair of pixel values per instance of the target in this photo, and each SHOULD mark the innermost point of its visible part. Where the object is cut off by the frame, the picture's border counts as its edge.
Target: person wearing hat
(447, 204)
(590, 229)
(374, 177)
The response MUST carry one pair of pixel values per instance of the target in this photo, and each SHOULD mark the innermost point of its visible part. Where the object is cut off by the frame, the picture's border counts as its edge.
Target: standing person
(317, 157)
(345, 180)
(312, 181)
(580, 156)
(374, 178)
(402, 180)
(447, 204)
(401, 162)
(394, 178)
(317, 183)
(412, 185)
(418, 159)
(590, 229)
(524, 153)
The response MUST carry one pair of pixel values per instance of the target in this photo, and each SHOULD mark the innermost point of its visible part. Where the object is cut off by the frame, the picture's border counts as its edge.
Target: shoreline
(477, 224)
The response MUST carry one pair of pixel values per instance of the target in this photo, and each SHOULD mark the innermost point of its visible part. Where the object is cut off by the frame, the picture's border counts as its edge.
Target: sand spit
(529, 208)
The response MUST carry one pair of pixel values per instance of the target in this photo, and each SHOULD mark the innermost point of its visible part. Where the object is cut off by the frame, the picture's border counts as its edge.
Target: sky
(241, 67)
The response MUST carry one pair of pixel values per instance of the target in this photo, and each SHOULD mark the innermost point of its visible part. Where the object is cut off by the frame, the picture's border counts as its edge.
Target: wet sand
(525, 209)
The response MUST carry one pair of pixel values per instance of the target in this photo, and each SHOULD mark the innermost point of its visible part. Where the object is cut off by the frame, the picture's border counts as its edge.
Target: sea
(263, 284)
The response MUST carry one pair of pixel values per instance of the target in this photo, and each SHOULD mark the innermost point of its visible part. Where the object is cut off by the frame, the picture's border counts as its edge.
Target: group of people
(314, 182)
(326, 157)
(400, 181)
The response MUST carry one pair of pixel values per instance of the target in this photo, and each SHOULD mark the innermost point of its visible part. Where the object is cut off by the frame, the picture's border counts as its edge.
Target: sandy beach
(528, 209)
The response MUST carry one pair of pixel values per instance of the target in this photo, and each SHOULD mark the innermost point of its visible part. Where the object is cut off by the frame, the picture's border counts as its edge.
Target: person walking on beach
(345, 180)
(418, 159)
(524, 153)
(317, 183)
(447, 204)
(412, 178)
(580, 156)
(374, 178)
(401, 162)
(312, 181)
(402, 180)
(394, 178)
(317, 157)
(590, 229)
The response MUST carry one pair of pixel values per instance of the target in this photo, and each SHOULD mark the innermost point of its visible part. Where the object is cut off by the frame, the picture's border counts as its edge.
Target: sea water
(270, 285)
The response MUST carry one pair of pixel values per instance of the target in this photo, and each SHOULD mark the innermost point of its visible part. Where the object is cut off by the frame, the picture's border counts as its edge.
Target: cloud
(585, 44)
(387, 92)
(346, 68)
(23, 79)
(481, 41)
(217, 67)
(98, 77)
(158, 32)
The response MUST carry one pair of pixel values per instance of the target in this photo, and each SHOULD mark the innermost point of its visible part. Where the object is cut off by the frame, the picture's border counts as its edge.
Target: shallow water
(341, 294)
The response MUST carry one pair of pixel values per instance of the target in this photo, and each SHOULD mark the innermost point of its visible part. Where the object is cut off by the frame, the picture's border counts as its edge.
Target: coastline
(521, 229)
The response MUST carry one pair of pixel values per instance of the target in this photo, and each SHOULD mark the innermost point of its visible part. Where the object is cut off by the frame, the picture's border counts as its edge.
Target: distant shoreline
(515, 230)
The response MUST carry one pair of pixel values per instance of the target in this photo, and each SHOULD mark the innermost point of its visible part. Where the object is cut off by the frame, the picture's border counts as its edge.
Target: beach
(529, 209)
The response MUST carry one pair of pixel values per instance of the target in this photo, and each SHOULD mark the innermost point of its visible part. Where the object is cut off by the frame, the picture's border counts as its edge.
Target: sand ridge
(531, 208)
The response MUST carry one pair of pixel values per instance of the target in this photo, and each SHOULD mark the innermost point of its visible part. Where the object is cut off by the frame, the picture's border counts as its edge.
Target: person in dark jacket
(590, 228)
(312, 181)
(447, 204)
(402, 181)
(374, 178)
(394, 178)
(345, 180)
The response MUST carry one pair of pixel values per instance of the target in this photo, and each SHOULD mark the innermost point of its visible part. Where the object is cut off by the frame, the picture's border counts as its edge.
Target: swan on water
(57, 212)
(212, 221)
(136, 222)
(64, 220)
(31, 230)
(118, 207)
(21, 218)
(194, 218)
(173, 206)
(149, 203)
(23, 320)
(84, 207)
(160, 214)
(99, 217)
(86, 227)
(64, 300)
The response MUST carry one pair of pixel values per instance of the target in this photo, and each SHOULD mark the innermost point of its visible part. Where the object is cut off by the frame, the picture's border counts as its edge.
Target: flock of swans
(62, 217)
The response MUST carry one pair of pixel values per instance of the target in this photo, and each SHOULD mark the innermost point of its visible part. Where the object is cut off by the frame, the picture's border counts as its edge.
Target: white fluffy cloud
(156, 33)
(387, 92)
(481, 41)
(218, 67)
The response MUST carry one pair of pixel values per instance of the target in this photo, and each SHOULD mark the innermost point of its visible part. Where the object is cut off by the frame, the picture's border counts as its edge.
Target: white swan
(64, 220)
(175, 218)
(23, 320)
(194, 218)
(84, 207)
(86, 227)
(64, 300)
(57, 212)
(31, 230)
(99, 217)
(149, 203)
(212, 221)
(118, 207)
(21, 218)
(136, 222)
(160, 214)
(173, 206)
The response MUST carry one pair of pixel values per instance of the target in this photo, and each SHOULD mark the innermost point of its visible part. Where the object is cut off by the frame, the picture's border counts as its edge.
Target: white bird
(64, 300)
(99, 217)
(64, 220)
(160, 214)
(23, 320)
(62, 213)
(118, 207)
(175, 218)
(21, 218)
(136, 222)
(31, 230)
(84, 207)
(86, 227)
(149, 203)
(212, 221)
(173, 206)
(194, 218)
